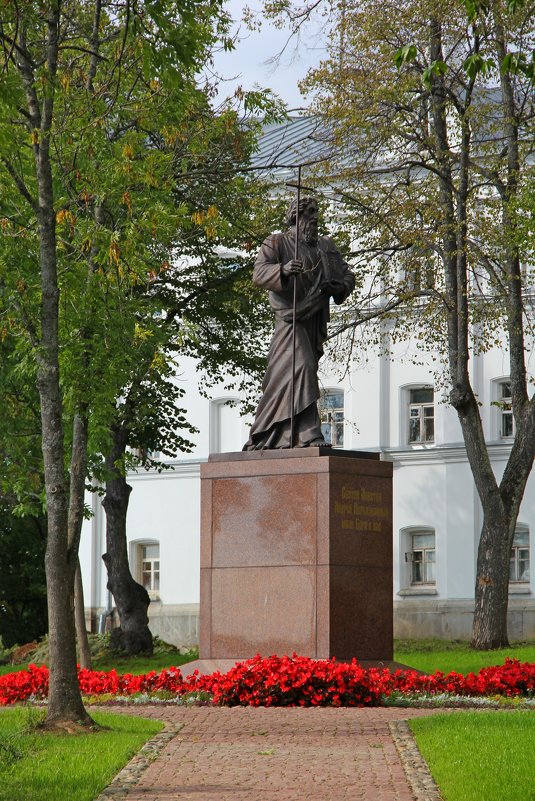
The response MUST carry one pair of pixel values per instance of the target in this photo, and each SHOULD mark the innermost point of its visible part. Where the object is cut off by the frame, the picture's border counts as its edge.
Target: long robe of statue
(323, 270)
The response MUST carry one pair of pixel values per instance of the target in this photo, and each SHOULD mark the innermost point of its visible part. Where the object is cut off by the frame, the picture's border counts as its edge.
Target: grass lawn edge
(32, 754)
(132, 772)
(416, 768)
(473, 754)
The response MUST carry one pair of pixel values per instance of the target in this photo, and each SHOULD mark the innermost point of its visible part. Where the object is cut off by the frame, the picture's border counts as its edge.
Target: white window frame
(214, 422)
(144, 453)
(406, 406)
(406, 562)
(502, 408)
(422, 276)
(136, 560)
(334, 417)
(517, 558)
(424, 553)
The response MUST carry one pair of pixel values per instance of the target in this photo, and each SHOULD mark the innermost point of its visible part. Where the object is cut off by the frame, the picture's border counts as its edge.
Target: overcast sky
(248, 64)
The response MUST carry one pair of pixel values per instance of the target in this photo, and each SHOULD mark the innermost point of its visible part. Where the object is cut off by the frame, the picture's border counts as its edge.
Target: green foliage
(23, 611)
(474, 8)
(88, 761)
(479, 754)
(475, 64)
(146, 181)
(516, 62)
(114, 168)
(375, 95)
(4, 652)
(405, 55)
(436, 67)
(21, 469)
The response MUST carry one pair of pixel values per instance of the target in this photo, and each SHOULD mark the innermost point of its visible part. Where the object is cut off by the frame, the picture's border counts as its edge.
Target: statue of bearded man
(320, 273)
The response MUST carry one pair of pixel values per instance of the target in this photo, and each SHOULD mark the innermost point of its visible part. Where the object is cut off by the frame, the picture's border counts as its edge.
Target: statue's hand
(292, 267)
(333, 287)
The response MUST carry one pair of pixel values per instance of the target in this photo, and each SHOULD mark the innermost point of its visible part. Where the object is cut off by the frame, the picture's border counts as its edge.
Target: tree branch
(21, 186)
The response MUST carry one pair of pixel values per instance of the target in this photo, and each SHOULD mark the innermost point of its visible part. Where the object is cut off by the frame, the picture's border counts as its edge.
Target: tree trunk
(489, 629)
(500, 503)
(131, 599)
(65, 708)
(492, 586)
(501, 507)
(79, 611)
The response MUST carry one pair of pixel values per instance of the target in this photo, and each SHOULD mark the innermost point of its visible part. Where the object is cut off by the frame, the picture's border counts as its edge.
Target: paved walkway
(257, 754)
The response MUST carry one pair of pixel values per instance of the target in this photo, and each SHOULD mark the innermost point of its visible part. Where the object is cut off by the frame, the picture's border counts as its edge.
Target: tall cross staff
(296, 185)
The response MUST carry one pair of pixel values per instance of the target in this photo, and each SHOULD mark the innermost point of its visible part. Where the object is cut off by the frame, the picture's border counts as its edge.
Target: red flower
(284, 681)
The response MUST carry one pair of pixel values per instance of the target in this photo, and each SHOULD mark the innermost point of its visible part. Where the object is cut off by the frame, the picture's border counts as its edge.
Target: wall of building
(433, 490)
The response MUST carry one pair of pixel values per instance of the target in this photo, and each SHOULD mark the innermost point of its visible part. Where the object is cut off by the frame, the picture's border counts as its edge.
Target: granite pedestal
(296, 555)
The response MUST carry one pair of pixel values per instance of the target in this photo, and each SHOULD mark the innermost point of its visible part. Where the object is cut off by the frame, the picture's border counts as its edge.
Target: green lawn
(432, 655)
(39, 766)
(480, 756)
(11, 668)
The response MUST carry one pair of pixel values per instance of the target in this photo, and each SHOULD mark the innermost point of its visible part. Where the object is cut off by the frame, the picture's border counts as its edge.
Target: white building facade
(390, 405)
(386, 403)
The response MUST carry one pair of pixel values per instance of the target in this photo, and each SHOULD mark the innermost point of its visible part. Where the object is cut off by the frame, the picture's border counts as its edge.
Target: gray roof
(284, 146)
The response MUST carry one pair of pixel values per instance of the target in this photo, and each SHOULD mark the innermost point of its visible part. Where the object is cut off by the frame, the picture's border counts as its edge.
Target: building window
(149, 567)
(506, 409)
(422, 558)
(145, 453)
(519, 562)
(226, 426)
(421, 275)
(421, 415)
(331, 409)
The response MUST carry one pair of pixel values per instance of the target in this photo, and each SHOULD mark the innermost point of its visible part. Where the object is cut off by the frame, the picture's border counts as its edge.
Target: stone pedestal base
(296, 555)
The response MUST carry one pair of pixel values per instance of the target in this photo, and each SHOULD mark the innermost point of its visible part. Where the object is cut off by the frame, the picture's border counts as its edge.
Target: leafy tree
(23, 615)
(23, 518)
(431, 105)
(216, 323)
(83, 87)
(22, 493)
(21, 484)
(196, 304)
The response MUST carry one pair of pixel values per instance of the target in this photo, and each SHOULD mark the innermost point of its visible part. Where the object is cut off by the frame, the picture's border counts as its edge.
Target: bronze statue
(319, 274)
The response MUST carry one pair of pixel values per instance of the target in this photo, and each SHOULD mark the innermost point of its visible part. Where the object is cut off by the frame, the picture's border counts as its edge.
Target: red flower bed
(510, 679)
(24, 683)
(93, 682)
(284, 681)
(292, 681)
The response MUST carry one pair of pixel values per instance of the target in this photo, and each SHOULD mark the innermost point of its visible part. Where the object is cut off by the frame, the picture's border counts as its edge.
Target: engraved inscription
(360, 509)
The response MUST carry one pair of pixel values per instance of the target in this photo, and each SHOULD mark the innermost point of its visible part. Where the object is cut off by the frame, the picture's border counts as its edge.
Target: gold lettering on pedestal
(343, 508)
(361, 510)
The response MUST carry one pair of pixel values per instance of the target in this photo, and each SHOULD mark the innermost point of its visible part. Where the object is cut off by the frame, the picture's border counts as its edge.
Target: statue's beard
(309, 231)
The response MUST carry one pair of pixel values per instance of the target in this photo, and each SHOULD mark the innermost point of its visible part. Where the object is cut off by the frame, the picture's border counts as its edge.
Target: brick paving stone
(275, 754)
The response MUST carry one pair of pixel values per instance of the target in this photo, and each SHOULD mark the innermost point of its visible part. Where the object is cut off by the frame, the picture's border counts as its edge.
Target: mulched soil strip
(418, 775)
(131, 773)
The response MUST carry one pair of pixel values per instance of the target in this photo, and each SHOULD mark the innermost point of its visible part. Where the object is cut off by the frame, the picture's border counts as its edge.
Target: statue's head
(308, 206)
(308, 218)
